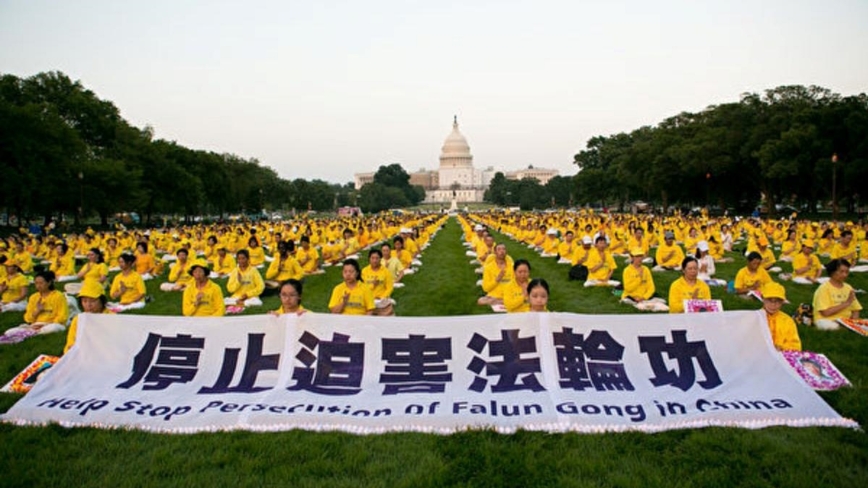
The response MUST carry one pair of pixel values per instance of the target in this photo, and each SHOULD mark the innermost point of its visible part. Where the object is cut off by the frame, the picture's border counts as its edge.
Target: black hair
(754, 255)
(375, 251)
(48, 276)
(538, 282)
(99, 257)
(834, 264)
(355, 264)
(293, 283)
(245, 252)
(519, 262)
(687, 260)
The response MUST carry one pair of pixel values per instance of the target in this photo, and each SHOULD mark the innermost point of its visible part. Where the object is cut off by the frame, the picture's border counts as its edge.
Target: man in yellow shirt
(753, 276)
(600, 265)
(669, 254)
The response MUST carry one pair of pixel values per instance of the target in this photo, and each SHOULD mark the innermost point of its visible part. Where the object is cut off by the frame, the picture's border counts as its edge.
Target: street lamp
(81, 195)
(834, 187)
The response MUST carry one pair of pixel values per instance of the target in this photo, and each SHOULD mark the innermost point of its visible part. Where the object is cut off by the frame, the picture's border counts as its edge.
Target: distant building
(457, 178)
(541, 174)
(362, 179)
(429, 180)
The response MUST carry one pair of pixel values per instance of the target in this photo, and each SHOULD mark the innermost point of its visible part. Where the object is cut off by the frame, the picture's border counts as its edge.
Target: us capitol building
(457, 179)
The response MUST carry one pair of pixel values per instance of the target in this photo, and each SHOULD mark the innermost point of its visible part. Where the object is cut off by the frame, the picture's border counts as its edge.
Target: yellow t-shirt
(680, 290)
(361, 299)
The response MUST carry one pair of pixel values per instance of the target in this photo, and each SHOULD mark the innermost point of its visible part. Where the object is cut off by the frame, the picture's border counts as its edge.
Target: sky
(323, 90)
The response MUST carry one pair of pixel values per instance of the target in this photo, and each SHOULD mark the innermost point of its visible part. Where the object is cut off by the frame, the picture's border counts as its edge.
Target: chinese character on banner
(254, 362)
(683, 353)
(595, 361)
(416, 365)
(510, 347)
(336, 369)
(177, 361)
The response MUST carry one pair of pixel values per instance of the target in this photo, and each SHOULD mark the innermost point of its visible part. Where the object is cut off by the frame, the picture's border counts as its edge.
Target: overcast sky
(330, 88)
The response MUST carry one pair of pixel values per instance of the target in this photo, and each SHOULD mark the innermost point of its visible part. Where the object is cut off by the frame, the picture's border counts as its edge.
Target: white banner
(555, 372)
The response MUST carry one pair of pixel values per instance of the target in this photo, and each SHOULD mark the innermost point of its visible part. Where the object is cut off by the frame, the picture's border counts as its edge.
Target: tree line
(65, 151)
(792, 145)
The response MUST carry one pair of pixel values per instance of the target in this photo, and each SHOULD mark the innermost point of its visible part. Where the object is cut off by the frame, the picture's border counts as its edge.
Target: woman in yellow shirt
(290, 298)
(203, 298)
(515, 293)
(352, 297)
(785, 335)
(47, 310)
(688, 287)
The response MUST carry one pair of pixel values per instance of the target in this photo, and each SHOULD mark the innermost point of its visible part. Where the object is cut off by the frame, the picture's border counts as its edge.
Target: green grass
(445, 285)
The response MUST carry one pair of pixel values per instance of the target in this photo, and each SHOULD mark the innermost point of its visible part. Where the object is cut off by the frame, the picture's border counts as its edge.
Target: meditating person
(379, 279)
(257, 252)
(515, 293)
(639, 289)
(688, 286)
(835, 299)
(601, 265)
(13, 287)
(179, 272)
(785, 335)
(145, 264)
(790, 247)
(224, 264)
(290, 298)
(63, 264)
(284, 266)
(393, 264)
(752, 277)
(308, 257)
(94, 269)
(203, 297)
(93, 300)
(352, 296)
(47, 310)
(806, 265)
(669, 254)
(128, 287)
(707, 267)
(245, 283)
(538, 295)
(496, 274)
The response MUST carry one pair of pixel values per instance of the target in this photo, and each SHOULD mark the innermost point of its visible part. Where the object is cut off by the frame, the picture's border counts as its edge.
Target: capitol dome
(455, 152)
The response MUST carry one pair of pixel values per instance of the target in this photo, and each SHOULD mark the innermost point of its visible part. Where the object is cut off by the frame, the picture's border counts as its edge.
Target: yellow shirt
(785, 335)
(828, 296)
(211, 304)
(380, 281)
(135, 287)
(596, 259)
(638, 283)
(493, 286)
(514, 298)
(14, 285)
(282, 269)
(680, 290)
(361, 299)
(248, 282)
(800, 261)
(669, 256)
(744, 279)
(55, 310)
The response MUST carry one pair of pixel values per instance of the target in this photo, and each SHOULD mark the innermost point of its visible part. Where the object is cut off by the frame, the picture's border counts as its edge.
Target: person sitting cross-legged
(245, 283)
(639, 290)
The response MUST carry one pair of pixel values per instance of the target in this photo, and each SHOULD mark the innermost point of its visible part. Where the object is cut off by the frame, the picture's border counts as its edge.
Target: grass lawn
(445, 285)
